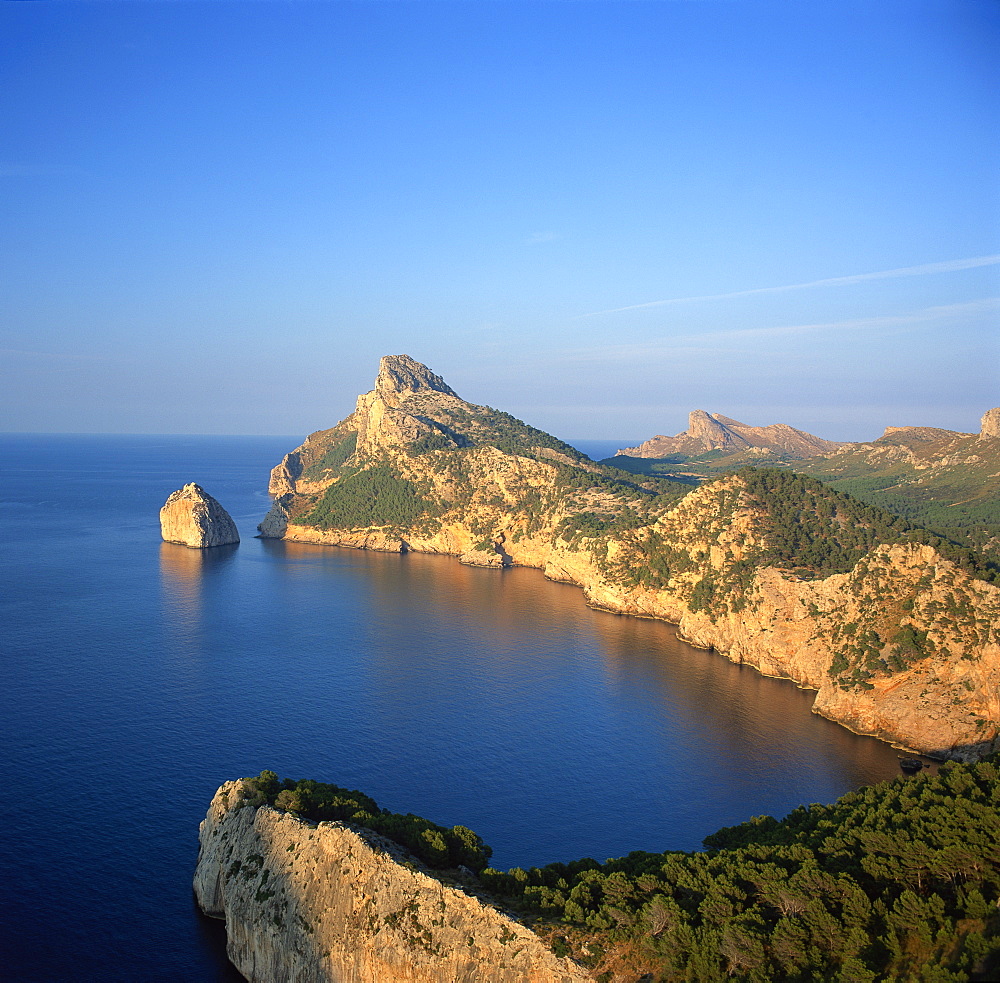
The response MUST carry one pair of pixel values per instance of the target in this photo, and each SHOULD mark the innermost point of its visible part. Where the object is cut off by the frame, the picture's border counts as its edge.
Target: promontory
(339, 903)
(897, 881)
(895, 628)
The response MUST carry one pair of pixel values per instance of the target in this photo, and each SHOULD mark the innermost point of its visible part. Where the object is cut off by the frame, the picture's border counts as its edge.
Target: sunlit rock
(191, 517)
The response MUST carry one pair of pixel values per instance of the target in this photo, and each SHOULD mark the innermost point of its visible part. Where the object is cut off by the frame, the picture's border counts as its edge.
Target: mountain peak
(715, 432)
(398, 374)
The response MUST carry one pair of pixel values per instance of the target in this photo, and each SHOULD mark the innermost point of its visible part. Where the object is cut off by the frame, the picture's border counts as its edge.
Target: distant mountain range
(713, 432)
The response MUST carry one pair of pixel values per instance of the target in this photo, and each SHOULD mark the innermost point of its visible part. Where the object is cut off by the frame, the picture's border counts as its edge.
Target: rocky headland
(311, 893)
(714, 432)
(337, 903)
(191, 517)
(896, 632)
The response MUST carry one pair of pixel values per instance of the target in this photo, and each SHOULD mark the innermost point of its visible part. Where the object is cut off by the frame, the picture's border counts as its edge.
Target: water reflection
(750, 719)
(183, 575)
(463, 664)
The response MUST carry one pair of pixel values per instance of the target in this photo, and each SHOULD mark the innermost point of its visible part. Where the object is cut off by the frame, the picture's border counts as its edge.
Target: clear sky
(215, 217)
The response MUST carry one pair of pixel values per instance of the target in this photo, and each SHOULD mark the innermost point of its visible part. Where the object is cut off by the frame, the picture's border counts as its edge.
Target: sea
(137, 676)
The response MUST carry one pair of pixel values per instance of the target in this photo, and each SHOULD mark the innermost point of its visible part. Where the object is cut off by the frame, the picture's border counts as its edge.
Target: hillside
(946, 481)
(897, 631)
(941, 480)
(416, 467)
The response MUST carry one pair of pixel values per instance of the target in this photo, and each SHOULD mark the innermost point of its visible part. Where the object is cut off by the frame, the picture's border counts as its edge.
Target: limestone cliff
(771, 569)
(334, 903)
(191, 517)
(714, 432)
(989, 426)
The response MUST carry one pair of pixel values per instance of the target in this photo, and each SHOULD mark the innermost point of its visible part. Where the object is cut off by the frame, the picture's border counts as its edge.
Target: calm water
(137, 676)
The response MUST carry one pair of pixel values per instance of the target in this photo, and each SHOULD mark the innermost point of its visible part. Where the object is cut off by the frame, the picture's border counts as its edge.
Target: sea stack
(191, 517)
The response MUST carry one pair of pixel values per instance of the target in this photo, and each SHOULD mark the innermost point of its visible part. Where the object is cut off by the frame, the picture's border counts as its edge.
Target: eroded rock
(191, 517)
(332, 903)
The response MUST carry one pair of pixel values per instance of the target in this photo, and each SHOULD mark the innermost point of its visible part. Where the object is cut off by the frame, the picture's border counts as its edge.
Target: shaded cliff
(336, 903)
(895, 629)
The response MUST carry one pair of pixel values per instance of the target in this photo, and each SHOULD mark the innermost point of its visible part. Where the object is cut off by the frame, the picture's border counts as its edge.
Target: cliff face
(714, 432)
(191, 517)
(333, 903)
(898, 641)
(942, 699)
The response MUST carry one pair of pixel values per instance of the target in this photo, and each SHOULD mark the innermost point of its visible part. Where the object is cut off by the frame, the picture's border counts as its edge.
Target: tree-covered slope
(897, 881)
(945, 481)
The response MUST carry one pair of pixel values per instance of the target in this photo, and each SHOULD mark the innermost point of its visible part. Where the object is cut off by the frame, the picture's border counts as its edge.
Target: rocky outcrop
(905, 436)
(403, 407)
(714, 432)
(989, 426)
(191, 517)
(483, 558)
(334, 903)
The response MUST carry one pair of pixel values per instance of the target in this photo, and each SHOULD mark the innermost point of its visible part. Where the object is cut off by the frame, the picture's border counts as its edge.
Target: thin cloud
(696, 344)
(948, 266)
(876, 324)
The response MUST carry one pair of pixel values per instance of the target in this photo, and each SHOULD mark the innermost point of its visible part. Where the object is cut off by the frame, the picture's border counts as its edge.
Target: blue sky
(216, 217)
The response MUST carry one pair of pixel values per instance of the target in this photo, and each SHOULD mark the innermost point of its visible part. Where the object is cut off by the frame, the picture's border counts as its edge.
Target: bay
(139, 675)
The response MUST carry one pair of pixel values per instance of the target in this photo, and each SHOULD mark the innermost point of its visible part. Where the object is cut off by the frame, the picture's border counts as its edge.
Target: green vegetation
(955, 491)
(326, 452)
(437, 846)
(373, 497)
(895, 882)
(815, 530)
(436, 440)
(899, 881)
(884, 640)
(957, 501)
(694, 469)
(514, 436)
(338, 452)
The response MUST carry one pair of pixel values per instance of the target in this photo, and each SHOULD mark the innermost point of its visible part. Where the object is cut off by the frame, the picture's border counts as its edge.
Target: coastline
(782, 642)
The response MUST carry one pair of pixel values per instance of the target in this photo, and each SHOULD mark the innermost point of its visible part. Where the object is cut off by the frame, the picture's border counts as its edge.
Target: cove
(138, 676)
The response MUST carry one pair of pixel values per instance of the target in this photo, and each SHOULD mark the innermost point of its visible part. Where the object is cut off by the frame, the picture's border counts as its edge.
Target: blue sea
(139, 675)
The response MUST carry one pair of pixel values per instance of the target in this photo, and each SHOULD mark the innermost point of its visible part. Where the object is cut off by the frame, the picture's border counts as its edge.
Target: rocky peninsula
(898, 633)
(311, 893)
